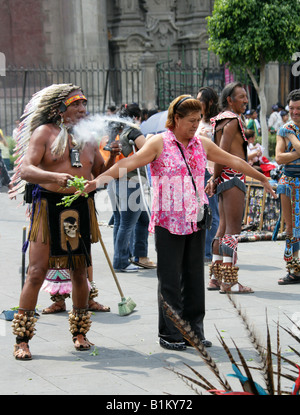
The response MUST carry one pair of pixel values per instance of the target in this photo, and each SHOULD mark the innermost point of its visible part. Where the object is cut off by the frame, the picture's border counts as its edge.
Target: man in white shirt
(274, 119)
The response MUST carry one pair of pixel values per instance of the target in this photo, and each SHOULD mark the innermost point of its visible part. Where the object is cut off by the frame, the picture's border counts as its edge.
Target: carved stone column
(76, 32)
(126, 21)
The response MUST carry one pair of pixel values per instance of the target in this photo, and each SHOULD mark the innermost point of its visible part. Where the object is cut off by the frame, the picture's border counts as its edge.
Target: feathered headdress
(43, 108)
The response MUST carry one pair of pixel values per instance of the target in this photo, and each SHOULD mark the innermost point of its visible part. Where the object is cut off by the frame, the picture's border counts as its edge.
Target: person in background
(274, 119)
(253, 123)
(209, 108)
(254, 150)
(4, 176)
(284, 117)
(4, 148)
(255, 155)
(58, 284)
(144, 114)
(111, 110)
(131, 223)
(229, 184)
(287, 154)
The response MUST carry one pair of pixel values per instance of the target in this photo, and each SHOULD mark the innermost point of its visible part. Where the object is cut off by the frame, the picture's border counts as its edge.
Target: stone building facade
(165, 27)
(112, 34)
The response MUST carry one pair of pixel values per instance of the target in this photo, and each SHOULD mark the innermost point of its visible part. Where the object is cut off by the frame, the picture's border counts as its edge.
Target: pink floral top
(175, 203)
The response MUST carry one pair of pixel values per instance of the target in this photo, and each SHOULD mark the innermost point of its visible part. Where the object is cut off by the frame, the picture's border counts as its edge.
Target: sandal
(289, 279)
(81, 343)
(144, 262)
(213, 285)
(21, 351)
(227, 289)
(94, 306)
(55, 308)
(215, 276)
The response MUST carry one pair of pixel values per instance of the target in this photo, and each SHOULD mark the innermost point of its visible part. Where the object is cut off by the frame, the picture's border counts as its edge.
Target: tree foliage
(249, 33)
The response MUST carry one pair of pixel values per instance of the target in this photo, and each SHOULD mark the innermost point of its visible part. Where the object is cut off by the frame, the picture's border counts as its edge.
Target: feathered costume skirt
(58, 282)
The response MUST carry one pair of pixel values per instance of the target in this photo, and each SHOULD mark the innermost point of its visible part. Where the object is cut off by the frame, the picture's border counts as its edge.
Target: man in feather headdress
(59, 236)
(288, 155)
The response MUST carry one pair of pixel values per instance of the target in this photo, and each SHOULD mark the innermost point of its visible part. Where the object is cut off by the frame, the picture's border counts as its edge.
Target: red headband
(74, 98)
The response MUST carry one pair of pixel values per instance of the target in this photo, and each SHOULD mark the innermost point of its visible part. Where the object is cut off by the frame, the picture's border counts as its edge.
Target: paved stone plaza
(126, 358)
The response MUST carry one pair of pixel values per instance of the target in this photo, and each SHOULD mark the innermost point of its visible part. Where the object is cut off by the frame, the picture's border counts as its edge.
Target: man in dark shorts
(228, 134)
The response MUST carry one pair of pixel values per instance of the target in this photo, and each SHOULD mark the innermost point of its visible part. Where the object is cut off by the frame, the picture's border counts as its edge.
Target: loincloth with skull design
(69, 230)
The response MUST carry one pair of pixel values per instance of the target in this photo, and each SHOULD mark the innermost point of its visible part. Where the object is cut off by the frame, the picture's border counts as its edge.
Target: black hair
(178, 103)
(211, 100)
(293, 96)
(249, 133)
(152, 112)
(228, 91)
(131, 110)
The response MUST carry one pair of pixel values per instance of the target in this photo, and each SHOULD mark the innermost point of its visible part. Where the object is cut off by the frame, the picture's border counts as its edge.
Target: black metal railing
(102, 87)
(116, 86)
(174, 80)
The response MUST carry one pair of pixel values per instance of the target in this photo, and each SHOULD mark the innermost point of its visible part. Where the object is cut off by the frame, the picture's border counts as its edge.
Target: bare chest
(71, 161)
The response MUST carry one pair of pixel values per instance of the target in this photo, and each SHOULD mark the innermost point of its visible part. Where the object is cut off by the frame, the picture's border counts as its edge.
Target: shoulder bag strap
(188, 167)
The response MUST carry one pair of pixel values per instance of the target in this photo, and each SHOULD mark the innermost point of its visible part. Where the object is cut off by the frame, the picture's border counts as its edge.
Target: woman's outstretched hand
(90, 186)
(269, 188)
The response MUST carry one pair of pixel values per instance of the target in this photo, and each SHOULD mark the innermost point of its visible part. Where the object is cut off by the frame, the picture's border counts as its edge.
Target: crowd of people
(198, 170)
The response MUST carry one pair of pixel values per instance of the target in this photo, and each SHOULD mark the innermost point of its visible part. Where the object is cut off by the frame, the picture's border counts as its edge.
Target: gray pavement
(126, 358)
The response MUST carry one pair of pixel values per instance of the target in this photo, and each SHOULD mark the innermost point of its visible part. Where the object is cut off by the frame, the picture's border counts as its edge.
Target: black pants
(180, 272)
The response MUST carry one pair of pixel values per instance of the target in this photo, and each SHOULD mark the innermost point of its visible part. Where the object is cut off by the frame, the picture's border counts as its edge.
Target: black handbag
(206, 218)
(206, 221)
(28, 192)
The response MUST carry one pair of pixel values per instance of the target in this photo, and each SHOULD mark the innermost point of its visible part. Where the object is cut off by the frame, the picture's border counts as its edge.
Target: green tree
(250, 33)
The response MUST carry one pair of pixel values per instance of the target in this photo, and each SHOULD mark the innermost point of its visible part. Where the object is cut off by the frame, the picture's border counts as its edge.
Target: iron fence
(174, 80)
(116, 86)
(102, 86)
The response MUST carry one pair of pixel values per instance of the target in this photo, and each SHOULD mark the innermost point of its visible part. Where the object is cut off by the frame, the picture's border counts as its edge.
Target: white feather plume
(42, 108)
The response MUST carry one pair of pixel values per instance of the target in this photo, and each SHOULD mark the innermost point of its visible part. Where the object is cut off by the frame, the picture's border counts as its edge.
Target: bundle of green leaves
(78, 183)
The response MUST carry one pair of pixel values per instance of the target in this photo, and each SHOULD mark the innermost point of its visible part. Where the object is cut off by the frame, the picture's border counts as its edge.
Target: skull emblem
(70, 227)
